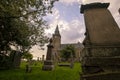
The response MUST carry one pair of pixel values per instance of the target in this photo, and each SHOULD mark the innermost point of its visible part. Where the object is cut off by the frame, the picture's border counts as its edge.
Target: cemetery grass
(59, 73)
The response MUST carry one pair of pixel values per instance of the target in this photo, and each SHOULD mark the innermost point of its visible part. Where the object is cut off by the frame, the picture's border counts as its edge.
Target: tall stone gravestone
(48, 63)
(43, 58)
(101, 55)
(15, 59)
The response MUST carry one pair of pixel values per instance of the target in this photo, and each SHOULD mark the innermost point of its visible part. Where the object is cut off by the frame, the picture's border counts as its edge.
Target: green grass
(59, 73)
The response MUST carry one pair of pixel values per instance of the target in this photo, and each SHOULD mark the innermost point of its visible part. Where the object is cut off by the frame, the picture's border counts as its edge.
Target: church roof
(76, 45)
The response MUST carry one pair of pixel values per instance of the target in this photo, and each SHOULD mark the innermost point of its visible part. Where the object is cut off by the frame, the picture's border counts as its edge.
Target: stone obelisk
(48, 63)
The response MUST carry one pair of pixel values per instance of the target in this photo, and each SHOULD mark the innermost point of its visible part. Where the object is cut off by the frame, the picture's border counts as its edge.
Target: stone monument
(101, 55)
(15, 59)
(48, 63)
(43, 57)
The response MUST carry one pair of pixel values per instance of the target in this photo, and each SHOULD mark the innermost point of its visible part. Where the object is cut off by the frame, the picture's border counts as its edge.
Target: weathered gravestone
(29, 66)
(101, 55)
(48, 63)
(43, 58)
(15, 59)
(38, 59)
(72, 61)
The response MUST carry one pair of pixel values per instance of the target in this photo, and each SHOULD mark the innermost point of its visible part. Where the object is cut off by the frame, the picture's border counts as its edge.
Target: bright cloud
(37, 52)
(56, 13)
(90, 1)
(73, 33)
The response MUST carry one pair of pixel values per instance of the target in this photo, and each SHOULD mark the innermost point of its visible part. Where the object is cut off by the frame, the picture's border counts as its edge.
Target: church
(56, 38)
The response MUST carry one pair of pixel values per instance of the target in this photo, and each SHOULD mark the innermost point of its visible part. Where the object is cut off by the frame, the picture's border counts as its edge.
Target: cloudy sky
(66, 14)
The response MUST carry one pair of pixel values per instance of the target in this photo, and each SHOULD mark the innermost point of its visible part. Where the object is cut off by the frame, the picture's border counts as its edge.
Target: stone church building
(58, 46)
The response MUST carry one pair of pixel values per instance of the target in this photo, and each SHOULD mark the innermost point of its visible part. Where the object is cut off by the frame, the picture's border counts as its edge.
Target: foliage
(68, 52)
(27, 56)
(59, 73)
(21, 23)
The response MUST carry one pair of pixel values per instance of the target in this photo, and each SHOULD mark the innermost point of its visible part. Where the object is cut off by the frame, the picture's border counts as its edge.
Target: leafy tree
(27, 56)
(21, 23)
(68, 52)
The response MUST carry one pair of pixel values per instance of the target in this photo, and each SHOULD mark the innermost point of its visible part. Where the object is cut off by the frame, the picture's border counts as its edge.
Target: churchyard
(99, 59)
(59, 73)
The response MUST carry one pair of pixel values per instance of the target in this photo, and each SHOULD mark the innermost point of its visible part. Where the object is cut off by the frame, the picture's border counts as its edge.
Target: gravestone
(43, 58)
(101, 55)
(72, 61)
(28, 67)
(15, 59)
(48, 63)
(38, 59)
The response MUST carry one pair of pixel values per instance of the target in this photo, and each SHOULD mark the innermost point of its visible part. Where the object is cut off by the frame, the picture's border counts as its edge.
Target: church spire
(57, 31)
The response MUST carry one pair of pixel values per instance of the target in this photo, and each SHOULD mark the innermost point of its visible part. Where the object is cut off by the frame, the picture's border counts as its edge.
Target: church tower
(56, 43)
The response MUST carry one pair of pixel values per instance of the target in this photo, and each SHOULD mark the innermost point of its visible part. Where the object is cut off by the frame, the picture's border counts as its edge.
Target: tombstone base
(102, 76)
(48, 65)
(101, 68)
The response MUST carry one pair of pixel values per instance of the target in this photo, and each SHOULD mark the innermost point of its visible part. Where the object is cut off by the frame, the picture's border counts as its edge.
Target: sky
(66, 14)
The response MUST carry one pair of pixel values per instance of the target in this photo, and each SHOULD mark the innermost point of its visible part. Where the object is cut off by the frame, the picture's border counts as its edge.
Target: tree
(27, 56)
(68, 52)
(21, 23)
